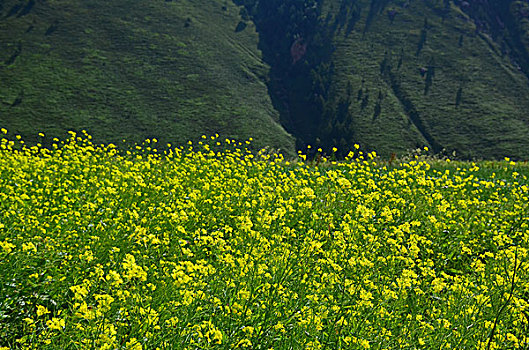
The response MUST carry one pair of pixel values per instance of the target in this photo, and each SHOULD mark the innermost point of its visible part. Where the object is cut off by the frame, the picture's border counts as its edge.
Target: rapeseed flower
(42, 310)
(214, 246)
(56, 324)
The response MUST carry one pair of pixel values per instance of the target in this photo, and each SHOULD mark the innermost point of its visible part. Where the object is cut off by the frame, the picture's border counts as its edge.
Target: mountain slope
(126, 69)
(431, 65)
(401, 74)
(392, 75)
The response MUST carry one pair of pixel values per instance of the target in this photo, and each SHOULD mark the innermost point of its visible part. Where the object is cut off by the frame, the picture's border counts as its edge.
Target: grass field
(212, 246)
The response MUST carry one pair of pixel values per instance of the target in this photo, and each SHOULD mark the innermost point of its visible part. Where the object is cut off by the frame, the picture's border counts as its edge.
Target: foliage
(295, 86)
(390, 74)
(213, 246)
(134, 70)
(419, 47)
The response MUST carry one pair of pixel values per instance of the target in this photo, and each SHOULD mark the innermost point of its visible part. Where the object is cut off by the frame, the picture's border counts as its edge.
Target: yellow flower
(84, 311)
(7, 247)
(42, 310)
(365, 344)
(87, 255)
(80, 291)
(342, 322)
(132, 269)
(214, 336)
(133, 344)
(104, 301)
(344, 183)
(244, 343)
(56, 323)
(29, 246)
(280, 327)
(308, 192)
(114, 277)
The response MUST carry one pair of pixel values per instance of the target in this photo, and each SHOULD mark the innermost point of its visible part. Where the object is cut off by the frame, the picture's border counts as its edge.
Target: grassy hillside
(394, 74)
(127, 69)
(436, 78)
(391, 75)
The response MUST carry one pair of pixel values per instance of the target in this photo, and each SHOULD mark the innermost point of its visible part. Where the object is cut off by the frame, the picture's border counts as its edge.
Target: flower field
(213, 246)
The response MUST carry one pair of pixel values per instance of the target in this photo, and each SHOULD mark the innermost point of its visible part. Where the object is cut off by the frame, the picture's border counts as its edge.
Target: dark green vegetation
(132, 70)
(391, 75)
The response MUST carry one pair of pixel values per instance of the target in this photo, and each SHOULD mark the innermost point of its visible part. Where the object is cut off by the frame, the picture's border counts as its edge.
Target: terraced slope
(131, 70)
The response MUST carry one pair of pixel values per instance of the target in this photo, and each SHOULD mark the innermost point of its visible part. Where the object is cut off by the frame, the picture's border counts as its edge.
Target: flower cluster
(213, 246)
